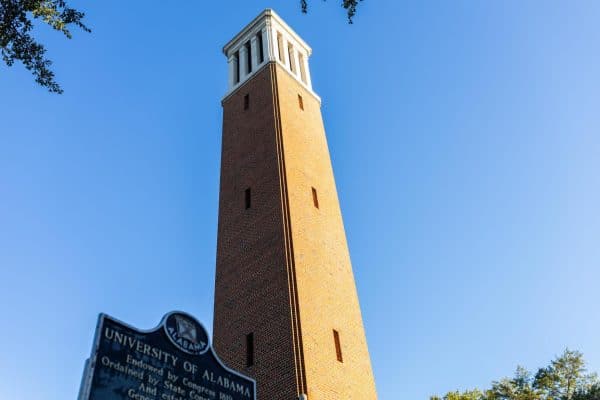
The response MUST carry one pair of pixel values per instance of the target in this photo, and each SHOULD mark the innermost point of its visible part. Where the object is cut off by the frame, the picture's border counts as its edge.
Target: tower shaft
(286, 308)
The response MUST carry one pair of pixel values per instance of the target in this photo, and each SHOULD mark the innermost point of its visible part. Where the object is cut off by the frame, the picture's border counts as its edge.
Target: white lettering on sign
(140, 347)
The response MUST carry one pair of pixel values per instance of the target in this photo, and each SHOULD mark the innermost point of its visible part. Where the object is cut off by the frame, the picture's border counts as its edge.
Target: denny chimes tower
(286, 309)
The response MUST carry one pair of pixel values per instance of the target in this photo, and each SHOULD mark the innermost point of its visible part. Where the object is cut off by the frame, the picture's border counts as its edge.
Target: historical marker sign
(171, 362)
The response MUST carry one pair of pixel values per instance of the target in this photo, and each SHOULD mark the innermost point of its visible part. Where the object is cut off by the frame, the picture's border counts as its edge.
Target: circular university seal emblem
(186, 333)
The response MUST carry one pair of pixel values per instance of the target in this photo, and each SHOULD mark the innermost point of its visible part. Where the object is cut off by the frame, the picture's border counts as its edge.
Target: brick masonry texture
(283, 267)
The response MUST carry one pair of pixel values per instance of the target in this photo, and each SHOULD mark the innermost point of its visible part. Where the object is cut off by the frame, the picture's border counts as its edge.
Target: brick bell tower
(286, 308)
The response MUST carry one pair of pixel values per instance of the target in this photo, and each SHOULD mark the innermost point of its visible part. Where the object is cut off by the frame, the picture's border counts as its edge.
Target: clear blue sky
(465, 139)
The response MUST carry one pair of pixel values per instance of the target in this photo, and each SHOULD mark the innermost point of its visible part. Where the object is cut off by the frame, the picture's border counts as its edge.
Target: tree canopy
(565, 378)
(17, 42)
(349, 5)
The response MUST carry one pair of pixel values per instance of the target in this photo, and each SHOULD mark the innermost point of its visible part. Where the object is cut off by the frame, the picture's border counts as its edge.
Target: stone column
(297, 62)
(232, 67)
(266, 40)
(307, 71)
(243, 62)
(275, 44)
(286, 54)
(255, 50)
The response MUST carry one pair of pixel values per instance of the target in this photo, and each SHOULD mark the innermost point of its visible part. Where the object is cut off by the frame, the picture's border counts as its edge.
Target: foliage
(592, 393)
(563, 379)
(468, 395)
(517, 388)
(17, 43)
(349, 5)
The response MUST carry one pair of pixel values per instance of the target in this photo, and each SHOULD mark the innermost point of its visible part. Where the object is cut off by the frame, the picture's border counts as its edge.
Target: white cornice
(268, 15)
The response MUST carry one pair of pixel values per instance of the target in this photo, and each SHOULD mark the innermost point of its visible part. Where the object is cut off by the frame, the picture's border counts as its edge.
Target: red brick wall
(283, 267)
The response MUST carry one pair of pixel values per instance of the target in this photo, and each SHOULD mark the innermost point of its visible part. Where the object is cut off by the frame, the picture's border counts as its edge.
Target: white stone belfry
(268, 39)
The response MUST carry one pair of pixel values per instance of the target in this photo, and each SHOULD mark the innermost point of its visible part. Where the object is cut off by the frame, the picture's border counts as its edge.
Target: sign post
(173, 361)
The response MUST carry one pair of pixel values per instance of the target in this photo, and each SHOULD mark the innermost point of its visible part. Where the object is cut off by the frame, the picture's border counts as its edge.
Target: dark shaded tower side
(252, 295)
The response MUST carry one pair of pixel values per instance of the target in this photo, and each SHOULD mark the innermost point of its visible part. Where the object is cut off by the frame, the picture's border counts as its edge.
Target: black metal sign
(171, 362)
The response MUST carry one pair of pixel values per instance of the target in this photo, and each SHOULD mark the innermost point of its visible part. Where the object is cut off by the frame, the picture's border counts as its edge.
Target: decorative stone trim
(269, 25)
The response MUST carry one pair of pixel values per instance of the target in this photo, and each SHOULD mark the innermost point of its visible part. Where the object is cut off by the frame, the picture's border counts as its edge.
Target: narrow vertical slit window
(248, 57)
(236, 71)
(248, 198)
(246, 101)
(301, 105)
(315, 198)
(250, 349)
(338, 346)
(261, 51)
(292, 58)
(302, 68)
(280, 47)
